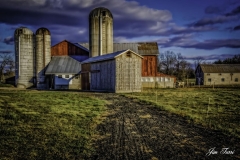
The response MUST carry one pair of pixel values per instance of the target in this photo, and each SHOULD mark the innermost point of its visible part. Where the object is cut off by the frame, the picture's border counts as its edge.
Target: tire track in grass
(134, 130)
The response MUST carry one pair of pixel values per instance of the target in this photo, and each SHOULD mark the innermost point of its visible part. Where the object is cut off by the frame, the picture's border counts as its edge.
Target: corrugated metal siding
(63, 65)
(220, 68)
(103, 57)
(142, 48)
(125, 46)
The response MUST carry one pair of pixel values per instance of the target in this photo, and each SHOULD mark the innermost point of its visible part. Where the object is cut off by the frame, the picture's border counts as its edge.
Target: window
(128, 54)
(59, 76)
(236, 79)
(223, 79)
(66, 76)
(209, 79)
(208, 74)
(220, 74)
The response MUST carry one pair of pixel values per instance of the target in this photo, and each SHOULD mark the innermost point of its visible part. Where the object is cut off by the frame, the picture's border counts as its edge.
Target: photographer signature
(223, 151)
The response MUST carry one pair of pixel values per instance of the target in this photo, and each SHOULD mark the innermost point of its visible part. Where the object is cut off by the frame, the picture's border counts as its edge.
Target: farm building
(98, 65)
(116, 72)
(151, 78)
(218, 74)
(64, 72)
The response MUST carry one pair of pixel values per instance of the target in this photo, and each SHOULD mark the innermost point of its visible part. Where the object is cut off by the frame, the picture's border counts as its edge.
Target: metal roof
(63, 65)
(80, 46)
(220, 68)
(142, 48)
(108, 56)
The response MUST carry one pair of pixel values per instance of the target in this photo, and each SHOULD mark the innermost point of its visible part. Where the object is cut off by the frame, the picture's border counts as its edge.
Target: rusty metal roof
(108, 56)
(220, 68)
(63, 65)
(142, 48)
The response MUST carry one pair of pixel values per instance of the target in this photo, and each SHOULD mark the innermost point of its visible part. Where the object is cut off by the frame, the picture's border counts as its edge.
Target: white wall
(63, 80)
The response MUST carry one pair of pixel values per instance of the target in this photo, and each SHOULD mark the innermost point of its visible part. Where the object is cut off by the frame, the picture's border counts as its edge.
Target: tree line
(175, 64)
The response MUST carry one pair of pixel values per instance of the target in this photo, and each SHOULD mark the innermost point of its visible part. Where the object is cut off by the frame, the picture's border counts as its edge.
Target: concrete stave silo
(100, 32)
(43, 57)
(24, 57)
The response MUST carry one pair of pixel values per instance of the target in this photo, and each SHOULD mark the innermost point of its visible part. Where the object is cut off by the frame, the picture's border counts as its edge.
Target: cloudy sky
(194, 28)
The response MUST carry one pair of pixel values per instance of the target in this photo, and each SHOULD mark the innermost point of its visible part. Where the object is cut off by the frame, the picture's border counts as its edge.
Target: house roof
(220, 68)
(108, 56)
(142, 48)
(63, 65)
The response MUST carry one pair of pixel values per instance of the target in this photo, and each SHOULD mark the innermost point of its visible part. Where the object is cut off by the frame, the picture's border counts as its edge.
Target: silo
(24, 57)
(43, 56)
(100, 32)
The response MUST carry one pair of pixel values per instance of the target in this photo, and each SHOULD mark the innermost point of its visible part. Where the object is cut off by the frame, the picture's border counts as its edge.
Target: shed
(116, 72)
(65, 72)
(218, 74)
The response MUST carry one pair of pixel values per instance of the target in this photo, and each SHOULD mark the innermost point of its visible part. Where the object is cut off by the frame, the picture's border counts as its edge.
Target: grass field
(47, 124)
(214, 108)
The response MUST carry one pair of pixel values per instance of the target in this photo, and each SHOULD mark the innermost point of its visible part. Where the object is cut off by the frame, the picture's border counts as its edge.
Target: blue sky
(206, 29)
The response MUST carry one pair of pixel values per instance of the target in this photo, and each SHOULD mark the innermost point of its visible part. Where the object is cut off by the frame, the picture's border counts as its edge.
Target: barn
(218, 74)
(151, 78)
(99, 65)
(116, 72)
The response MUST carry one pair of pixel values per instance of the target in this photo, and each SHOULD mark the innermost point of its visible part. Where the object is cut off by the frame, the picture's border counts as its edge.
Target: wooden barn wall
(65, 48)
(149, 65)
(128, 73)
(85, 83)
(60, 49)
(103, 76)
(74, 50)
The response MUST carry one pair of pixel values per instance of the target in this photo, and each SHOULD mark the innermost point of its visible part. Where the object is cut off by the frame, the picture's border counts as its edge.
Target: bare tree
(167, 62)
(6, 61)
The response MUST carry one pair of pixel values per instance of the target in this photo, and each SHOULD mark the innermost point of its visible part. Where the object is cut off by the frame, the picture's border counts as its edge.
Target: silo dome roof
(23, 30)
(43, 30)
(97, 12)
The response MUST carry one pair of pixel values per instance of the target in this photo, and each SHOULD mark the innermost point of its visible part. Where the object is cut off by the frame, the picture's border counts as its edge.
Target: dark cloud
(8, 40)
(188, 41)
(6, 52)
(214, 10)
(212, 57)
(236, 28)
(214, 20)
(234, 12)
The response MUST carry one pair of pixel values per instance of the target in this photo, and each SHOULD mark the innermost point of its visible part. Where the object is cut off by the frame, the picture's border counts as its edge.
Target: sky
(205, 29)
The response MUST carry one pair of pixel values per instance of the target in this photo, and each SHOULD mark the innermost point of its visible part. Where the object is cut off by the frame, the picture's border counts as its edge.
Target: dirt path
(140, 131)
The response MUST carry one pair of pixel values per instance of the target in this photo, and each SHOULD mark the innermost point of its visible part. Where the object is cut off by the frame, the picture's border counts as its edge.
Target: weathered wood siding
(103, 76)
(66, 48)
(85, 73)
(128, 73)
(149, 65)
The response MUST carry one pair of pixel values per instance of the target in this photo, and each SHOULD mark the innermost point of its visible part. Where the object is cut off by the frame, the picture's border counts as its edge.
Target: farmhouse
(217, 74)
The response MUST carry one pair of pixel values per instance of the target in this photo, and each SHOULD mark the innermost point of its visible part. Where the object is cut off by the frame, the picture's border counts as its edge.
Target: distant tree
(174, 64)
(167, 62)
(6, 61)
(234, 60)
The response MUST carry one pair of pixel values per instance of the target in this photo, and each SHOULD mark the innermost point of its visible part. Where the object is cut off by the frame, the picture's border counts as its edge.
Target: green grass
(47, 124)
(6, 85)
(214, 108)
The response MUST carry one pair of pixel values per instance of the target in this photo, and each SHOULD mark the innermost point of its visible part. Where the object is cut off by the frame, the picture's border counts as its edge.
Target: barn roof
(142, 48)
(63, 65)
(220, 68)
(108, 56)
